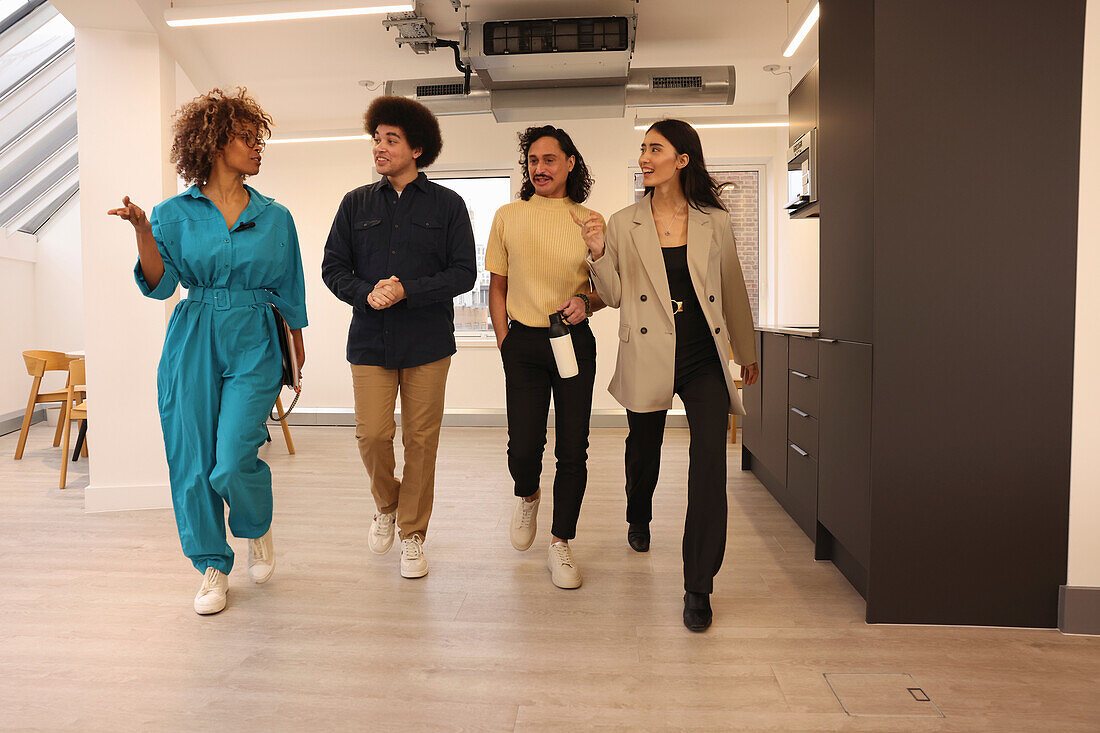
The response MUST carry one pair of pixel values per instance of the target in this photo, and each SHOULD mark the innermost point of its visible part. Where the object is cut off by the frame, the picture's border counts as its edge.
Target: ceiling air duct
(561, 68)
(443, 95)
(660, 87)
(518, 54)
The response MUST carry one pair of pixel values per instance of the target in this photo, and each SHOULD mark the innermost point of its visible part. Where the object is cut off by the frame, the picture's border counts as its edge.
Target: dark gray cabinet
(931, 496)
(802, 106)
(764, 437)
(782, 451)
(803, 428)
(773, 411)
(845, 159)
(844, 467)
(799, 495)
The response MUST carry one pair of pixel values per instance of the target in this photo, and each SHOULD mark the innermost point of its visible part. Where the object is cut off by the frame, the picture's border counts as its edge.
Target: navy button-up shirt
(423, 237)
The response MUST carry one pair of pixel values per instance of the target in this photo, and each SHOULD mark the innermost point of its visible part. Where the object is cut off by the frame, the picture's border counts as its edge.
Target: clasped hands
(386, 293)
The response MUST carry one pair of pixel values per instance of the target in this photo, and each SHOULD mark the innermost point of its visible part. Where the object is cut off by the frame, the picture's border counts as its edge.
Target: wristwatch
(587, 303)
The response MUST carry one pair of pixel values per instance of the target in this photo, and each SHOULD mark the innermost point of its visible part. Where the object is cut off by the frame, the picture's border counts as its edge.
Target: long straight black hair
(699, 188)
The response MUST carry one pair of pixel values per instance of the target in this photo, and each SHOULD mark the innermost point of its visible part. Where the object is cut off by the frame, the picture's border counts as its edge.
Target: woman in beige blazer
(669, 264)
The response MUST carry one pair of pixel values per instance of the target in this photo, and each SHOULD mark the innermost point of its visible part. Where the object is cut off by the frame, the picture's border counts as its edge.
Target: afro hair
(204, 125)
(420, 126)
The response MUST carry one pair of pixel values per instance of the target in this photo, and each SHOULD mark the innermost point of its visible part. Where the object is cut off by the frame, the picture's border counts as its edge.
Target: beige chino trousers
(422, 390)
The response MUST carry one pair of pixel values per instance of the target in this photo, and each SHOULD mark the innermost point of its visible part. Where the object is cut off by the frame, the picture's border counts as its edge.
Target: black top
(694, 343)
(424, 238)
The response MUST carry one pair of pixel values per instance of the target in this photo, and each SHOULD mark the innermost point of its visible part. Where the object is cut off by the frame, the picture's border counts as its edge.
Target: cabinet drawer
(803, 355)
(802, 431)
(773, 408)
(802, 490)
(802, 392)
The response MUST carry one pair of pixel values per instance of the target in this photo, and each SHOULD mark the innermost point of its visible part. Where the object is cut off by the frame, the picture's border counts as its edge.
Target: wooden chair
(738, 384)
(38, 363)
(285, 425)
(76, 408)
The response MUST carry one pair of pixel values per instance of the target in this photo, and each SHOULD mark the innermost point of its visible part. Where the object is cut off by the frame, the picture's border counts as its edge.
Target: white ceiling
(306, 73)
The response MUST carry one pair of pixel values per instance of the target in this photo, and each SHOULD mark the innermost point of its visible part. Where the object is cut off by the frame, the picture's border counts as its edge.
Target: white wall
(311, 178)
(1084, 510)
(59, 286)
(41, 302)
(795, 258)
(16, 331)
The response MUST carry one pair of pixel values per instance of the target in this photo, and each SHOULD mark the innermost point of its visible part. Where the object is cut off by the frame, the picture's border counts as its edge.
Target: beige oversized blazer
(631, 276)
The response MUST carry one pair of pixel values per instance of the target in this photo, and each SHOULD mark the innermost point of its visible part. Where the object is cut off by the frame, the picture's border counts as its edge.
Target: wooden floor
(97, 631)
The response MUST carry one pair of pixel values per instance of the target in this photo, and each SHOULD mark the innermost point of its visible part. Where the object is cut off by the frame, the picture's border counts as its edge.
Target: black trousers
(702, 388)
(531, 378)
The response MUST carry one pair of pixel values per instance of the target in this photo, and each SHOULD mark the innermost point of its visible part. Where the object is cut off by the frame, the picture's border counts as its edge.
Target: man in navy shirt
(398, 252)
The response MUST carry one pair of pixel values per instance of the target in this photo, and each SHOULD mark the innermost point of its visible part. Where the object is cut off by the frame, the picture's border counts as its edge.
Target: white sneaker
(524, 523)
(563, 570)
(413, 562)
(211, 596)
(380, 537)
(261, 558)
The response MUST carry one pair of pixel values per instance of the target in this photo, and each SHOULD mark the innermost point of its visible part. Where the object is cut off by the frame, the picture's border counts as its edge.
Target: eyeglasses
(251, 139)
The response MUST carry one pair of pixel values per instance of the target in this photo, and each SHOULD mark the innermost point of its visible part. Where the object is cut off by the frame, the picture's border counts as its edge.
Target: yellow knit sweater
(538, 247)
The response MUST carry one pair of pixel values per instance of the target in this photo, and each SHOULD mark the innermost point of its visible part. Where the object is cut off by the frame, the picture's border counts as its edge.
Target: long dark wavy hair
(699, 188)
(579, 183)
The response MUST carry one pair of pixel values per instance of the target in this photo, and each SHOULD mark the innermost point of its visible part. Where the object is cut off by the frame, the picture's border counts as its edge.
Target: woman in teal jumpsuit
(236, 251)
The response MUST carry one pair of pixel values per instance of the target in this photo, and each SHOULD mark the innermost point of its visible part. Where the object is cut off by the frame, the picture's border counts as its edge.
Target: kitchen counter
(808, 331)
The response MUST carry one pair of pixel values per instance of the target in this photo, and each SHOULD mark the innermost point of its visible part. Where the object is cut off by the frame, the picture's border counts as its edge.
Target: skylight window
(38, 135)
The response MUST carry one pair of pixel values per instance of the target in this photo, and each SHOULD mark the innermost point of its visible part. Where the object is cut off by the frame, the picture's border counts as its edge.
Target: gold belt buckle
(677, 307)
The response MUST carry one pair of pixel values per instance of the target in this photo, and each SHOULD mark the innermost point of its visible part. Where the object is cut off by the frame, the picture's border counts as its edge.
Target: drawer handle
(828, 341)
(799, 412)
(800, 374)
(799, 450)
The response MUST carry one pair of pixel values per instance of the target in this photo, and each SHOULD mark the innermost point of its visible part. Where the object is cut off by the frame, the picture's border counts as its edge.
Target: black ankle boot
(637, 536)
(697, 613)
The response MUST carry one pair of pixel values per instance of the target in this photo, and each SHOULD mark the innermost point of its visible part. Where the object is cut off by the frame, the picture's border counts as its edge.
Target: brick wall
(742, 199)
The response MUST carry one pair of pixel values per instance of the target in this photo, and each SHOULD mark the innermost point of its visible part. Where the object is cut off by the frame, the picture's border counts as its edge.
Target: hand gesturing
(591, 232)
(132, 213)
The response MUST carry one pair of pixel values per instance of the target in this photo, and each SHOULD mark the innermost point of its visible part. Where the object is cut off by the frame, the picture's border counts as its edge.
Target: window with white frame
(483, 194)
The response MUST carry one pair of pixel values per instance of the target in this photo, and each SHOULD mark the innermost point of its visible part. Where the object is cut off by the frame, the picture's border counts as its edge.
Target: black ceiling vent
(556, 35)
(677, 82)
(438, 90)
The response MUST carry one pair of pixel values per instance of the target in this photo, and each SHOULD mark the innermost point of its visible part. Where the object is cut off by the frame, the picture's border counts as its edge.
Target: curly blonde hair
(202, 126)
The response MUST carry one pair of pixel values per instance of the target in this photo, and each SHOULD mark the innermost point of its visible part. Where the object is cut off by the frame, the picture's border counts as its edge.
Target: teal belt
(226, 298)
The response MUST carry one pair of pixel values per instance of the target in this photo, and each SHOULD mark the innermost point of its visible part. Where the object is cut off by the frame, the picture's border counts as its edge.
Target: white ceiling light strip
(722, 123)
(736, 125)
(275, 10)
(805, 23)
(317, 139)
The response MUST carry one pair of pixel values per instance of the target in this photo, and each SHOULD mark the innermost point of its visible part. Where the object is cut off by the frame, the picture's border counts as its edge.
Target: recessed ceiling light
(276, 10)
(805, 23)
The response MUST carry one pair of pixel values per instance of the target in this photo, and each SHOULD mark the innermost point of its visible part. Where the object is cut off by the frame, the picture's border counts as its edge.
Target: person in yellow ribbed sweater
(537, 259)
